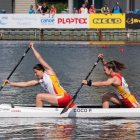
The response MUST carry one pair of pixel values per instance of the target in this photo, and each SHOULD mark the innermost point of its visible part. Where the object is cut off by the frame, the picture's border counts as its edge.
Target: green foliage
(59, 6)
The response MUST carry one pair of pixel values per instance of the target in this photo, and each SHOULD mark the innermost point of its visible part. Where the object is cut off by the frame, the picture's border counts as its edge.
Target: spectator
(92, 10)
(31, 10)
(74, 11)
(38, 8)
(44, 9)
(105, 9)
(117, 9)
(53, 10)
(83, 10)
(87, 5)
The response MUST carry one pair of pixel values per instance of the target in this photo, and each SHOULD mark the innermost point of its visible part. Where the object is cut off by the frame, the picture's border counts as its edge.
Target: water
(71, 64)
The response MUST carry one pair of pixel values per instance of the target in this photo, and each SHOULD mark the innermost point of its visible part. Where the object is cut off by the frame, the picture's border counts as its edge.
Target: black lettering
(90, 110)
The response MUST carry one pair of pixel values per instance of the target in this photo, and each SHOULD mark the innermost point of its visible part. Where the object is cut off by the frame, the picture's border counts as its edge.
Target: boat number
(82, 110)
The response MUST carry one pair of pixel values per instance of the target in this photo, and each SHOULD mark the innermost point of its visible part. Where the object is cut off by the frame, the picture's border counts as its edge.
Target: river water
(71, 63)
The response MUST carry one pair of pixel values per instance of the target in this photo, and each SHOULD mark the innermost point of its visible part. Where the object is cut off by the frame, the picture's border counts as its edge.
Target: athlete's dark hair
(39, 67)
(115, 65)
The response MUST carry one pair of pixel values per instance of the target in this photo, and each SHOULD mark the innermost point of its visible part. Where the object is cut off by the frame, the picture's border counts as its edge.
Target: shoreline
(85, 35)
(90, 43)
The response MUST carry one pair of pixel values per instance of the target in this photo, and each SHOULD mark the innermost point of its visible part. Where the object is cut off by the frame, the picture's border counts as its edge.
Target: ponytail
(115, 65)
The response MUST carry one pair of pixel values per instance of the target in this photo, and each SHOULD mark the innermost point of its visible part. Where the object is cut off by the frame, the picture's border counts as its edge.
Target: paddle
(15, 67)
(75, 96)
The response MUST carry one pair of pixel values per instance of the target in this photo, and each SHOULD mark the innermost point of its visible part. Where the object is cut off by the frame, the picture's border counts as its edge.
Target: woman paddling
(122, 96)
(47, 78)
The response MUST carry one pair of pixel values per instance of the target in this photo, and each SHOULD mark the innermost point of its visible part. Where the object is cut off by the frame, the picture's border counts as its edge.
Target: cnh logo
(107, 21)
(132, 21)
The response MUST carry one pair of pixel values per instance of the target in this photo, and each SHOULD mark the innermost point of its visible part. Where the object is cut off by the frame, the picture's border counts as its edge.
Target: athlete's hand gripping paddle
(15, 67)
(75, 96)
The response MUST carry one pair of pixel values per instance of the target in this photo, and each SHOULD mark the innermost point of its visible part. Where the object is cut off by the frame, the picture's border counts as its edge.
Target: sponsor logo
(82, 110)
(47, 21)
(132, 20)
(3, 20)
(107, 21)
(15, 110)
(72, 20)
(6, 109)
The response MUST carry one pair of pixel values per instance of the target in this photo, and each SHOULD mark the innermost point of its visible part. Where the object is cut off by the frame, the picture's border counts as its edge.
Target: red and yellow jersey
(51, 85)
(92, 10)
(122, 91)
(53, 11)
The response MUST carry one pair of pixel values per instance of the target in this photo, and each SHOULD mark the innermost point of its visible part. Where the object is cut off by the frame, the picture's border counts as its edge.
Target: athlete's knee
(38, 97)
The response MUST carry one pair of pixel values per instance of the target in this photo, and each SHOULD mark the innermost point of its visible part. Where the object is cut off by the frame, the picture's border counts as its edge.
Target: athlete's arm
(110, 81)
(22, 84)
(40, 59)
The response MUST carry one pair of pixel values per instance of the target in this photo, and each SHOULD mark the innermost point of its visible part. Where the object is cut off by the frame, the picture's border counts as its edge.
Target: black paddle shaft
(75, 96)
(86, 78)
(15, 67)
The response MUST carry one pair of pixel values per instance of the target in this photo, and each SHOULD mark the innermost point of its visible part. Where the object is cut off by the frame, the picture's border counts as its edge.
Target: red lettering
(59, 20)
(85, 22)
(76, 19)
(68, 20)
(80, 20)
(63, 21)
(72, 20)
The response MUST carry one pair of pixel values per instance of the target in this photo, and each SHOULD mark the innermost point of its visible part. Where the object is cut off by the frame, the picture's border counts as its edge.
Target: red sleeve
(95, 9)
(80, 11)
(55, 9)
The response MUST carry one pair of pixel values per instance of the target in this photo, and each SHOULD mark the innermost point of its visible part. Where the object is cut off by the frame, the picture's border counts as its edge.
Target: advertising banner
(18, 21)
(73, 21)
(44, 21)
(109, 21)
(133, 21)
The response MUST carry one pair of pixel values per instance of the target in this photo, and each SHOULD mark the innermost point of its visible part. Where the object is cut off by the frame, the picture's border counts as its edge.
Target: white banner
(44, 21)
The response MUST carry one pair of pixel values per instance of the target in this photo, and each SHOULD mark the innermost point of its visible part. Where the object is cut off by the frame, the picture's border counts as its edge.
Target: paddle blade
(67, 107)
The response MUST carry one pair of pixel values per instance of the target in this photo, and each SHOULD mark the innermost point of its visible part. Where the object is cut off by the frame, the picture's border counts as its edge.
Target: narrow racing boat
(87, 111)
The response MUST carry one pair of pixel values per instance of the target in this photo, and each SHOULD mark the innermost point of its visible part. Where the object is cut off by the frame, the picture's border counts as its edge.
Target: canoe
(87, 111)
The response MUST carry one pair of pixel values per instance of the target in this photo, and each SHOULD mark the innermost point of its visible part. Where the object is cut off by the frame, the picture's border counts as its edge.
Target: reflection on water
(71, 63)
(54, 131)
(71, 129)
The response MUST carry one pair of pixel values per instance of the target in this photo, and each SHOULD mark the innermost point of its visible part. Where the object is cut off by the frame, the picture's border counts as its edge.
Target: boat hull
(6, 111)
